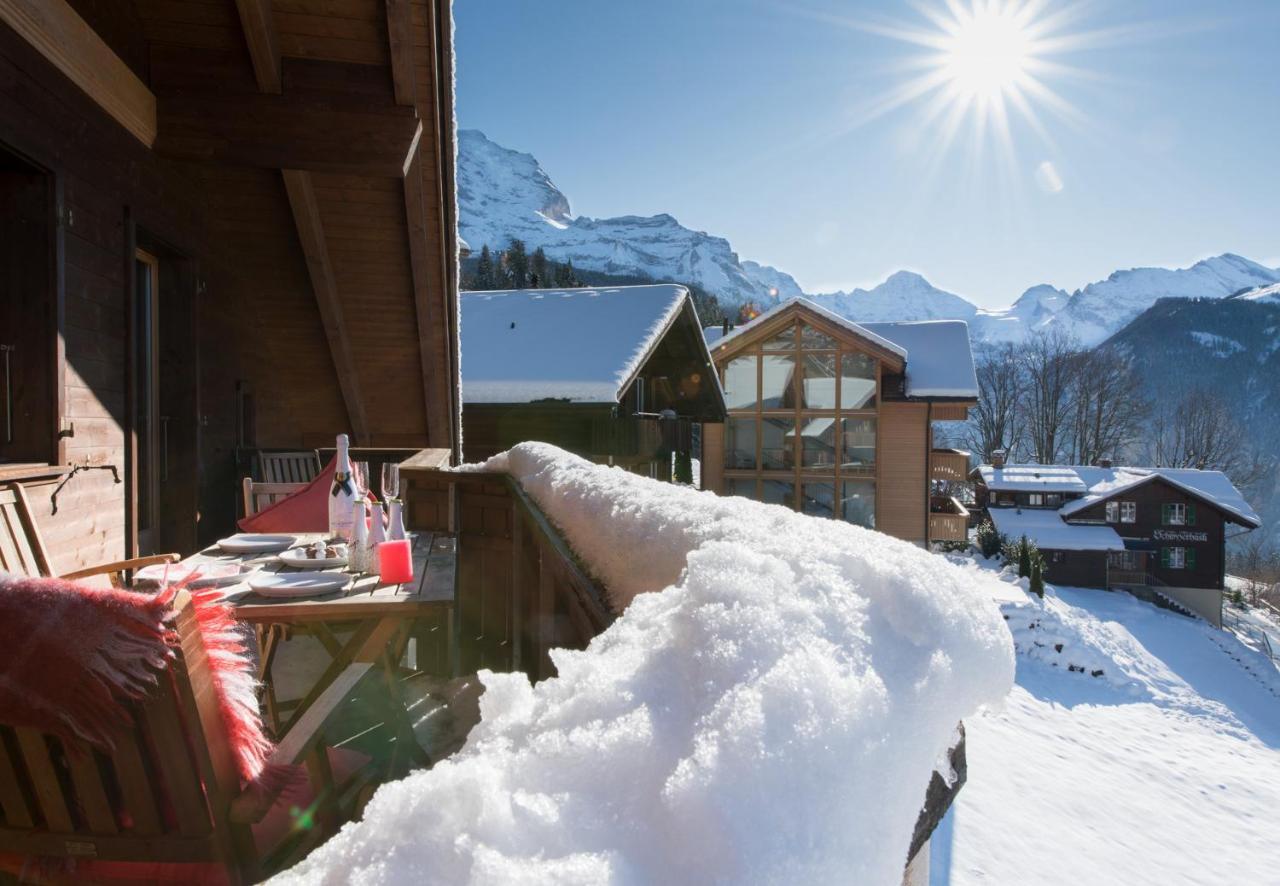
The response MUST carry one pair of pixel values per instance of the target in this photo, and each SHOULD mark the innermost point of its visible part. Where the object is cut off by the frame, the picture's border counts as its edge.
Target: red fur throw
(71, 654)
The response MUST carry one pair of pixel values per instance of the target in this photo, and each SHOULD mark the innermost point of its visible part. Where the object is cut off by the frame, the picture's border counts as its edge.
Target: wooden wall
(902, 500)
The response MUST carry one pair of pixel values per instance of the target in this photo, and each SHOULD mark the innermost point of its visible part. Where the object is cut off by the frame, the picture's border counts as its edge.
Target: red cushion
(307, 510)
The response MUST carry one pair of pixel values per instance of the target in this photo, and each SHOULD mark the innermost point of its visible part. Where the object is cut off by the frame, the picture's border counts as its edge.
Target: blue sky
(753, 120)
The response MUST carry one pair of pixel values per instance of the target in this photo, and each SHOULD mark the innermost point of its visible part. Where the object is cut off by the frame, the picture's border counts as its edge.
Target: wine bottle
(342, 496)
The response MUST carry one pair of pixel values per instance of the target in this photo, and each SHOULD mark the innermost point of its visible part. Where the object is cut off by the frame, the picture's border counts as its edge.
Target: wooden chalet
(1158, 532)
(226, 225)
(617, 375)
(835, 418)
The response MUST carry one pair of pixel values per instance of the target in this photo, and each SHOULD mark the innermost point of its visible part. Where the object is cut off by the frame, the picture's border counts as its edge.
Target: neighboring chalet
(1148, 530)
(225, 225)
(835, 418)
(617, 375)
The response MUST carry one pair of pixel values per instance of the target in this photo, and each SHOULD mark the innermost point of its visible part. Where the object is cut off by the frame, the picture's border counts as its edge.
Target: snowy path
(1165, 770)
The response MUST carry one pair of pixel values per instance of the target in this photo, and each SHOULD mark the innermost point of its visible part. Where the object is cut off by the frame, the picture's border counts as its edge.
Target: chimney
(1103, 463)
(997, 458)
(724, 330)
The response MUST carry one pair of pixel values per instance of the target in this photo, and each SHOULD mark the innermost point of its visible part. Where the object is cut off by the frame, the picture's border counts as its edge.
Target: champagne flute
(390, 480)
(360, 478)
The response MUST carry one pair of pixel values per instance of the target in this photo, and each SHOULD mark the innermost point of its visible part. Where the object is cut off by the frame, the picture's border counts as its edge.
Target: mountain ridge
(505, 194)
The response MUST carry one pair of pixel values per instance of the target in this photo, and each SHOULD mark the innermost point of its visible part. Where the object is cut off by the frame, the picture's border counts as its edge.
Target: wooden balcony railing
(948, 519)
(950, 465)
(521, 592)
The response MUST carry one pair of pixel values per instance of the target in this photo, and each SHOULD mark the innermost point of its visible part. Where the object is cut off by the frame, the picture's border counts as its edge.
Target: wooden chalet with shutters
(1154, 531)
(225, 226)
(835, 418)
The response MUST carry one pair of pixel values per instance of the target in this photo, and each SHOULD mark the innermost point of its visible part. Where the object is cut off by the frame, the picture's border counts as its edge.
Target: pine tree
(563, 275)
(1024, 558)
(485, 277)
(1037, 579)
(683, 470)
(518, 265)
(540, 274)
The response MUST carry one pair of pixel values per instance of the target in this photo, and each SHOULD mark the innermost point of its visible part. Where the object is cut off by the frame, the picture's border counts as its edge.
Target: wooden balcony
(950, 465)
(948, 519)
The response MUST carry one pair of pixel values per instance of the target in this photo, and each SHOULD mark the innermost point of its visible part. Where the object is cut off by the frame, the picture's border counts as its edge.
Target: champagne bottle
(358, 550)
(342, 496)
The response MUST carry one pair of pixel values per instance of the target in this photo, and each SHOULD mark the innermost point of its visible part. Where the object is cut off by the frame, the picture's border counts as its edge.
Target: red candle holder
(395, 562)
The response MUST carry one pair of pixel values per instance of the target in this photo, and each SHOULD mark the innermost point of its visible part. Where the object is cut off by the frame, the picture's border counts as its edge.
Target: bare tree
(1049, 361)
(996, 422)
(1107, 406)
(1200, 432)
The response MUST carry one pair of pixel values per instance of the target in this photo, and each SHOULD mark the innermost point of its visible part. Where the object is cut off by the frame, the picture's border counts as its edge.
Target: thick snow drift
(773, 715)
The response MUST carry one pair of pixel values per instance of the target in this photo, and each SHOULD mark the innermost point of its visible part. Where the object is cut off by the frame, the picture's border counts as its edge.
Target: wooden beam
(288, 132)
(264, 48)
(400, 36)
(58, 33)
(306, 216)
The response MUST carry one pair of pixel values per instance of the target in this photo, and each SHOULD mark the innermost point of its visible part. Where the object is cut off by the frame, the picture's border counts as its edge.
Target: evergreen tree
(518, 265)
(563, 275)
(1024, 558)
(540, 273)
(683, 470)
(485, 277)
(1037, 579)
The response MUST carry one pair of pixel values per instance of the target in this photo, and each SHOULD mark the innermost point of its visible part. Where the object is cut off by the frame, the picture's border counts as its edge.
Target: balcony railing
(948, 519)
(949, 465)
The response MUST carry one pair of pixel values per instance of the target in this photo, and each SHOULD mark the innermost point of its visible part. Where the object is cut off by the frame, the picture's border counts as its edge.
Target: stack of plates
(255, 543)
(298, 584)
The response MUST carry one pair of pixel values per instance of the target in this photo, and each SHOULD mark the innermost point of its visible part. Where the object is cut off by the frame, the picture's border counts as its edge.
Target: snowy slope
(1262, 293)
(505, 194)
(1164, 769)
(905, 295)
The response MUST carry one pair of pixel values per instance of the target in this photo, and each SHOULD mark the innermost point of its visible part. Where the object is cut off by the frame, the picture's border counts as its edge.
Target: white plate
(255, 543)
(298, 584)
(211, 575)
(298, 559)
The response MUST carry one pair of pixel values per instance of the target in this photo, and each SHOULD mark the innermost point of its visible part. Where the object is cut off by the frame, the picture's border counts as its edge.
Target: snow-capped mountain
(504, 194)
(1101, 309)
(905, 295)
(1270, 294)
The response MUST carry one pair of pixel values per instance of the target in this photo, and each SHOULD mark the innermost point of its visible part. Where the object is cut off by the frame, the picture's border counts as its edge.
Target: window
(858, 445)
(815, 339)
(1128, 512)
(818, 444)
(778, 492)
(739, 486)
(777, 444)
(1056, 557)
(1178, 558)
(857, 381)
(776, 381)
(1035, 500)
(740, 383)
(1113, 512)
(818, 499)
(1125, 560)
(783, 341)
(1053, 499)
(740, 443)
(858, 503)
(1175, 514)
(819, 383)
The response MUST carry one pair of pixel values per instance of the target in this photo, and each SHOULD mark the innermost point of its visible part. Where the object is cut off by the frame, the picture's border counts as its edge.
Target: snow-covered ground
(1163, 769)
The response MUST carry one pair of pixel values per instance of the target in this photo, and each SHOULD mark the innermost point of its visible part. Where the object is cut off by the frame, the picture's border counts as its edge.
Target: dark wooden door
(165, 435)
(27, 397)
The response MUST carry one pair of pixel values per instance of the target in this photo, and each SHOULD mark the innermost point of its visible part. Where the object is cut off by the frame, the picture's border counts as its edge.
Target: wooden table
(381, 614)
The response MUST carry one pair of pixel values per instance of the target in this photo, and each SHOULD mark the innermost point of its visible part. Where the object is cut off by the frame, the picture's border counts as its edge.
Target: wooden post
(517, 586)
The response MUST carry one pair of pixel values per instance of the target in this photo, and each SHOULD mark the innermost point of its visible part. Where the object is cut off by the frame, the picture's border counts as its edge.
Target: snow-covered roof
(939, 359)
(1048, 530)
(1211, 486)
(1098, 483)
(1032, 478)
(576, 345)
(939, 356)
(780, 307)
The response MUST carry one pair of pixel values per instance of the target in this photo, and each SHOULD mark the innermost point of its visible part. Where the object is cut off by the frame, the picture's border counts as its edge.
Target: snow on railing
(770, 705)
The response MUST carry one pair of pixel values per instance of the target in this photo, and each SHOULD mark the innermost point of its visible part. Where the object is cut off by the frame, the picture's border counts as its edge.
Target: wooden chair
(288, 467)
(169, 792)
(22, 549)
(258, 495)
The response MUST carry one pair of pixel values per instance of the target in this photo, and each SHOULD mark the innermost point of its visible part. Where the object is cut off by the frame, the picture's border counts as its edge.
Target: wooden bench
(299, 466)
(169, 792)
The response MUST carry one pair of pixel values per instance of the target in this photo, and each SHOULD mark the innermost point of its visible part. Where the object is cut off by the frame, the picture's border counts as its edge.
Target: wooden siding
(902, 501)
(713, 457)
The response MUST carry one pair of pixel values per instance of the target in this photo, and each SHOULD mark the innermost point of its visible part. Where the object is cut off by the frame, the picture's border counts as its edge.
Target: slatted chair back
(21, 549)
(162, 795)
(259, 495)
(288, 467)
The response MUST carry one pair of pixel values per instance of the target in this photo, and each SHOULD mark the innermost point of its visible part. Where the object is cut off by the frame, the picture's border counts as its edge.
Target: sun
(986, 52)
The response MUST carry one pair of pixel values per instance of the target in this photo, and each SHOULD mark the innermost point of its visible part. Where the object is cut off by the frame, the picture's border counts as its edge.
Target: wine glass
(390, 480)
(360, 478)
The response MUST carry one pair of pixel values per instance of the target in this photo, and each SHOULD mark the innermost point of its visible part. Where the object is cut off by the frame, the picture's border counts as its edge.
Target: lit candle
(395, 562)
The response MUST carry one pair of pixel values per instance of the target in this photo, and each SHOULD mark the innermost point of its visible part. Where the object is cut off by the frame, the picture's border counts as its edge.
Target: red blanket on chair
(71, 654)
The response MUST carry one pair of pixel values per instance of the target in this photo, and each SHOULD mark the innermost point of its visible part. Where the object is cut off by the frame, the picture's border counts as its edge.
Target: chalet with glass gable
(1159, 530)
(835, 418)
(618, 375)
